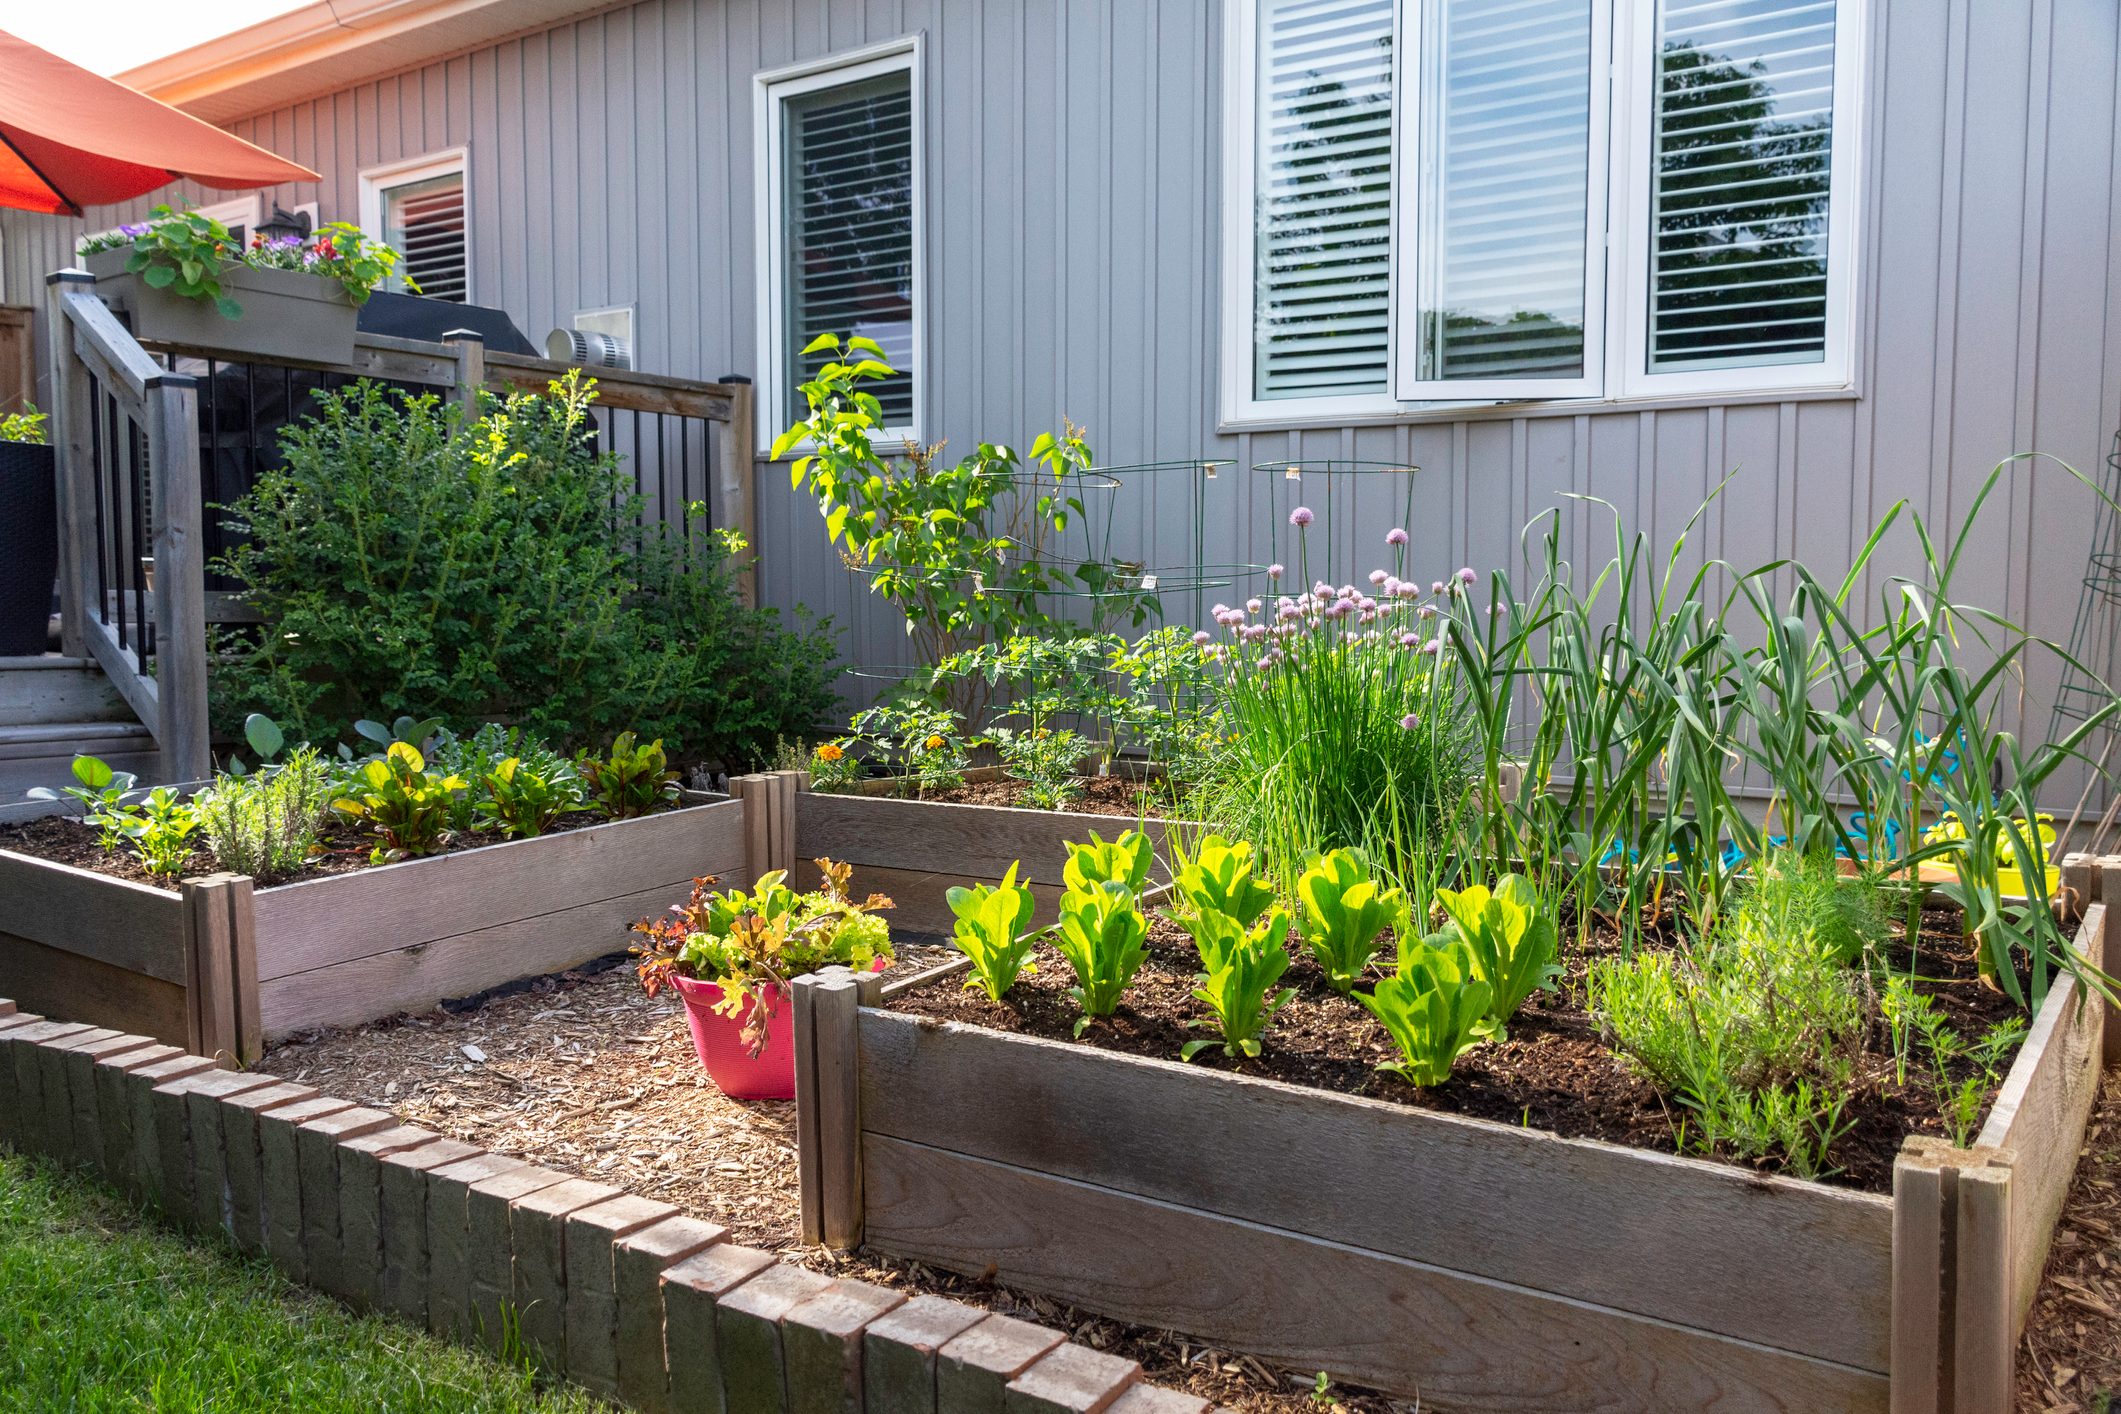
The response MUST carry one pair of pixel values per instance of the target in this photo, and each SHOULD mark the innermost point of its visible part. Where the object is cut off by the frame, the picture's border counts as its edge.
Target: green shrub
(405, 565)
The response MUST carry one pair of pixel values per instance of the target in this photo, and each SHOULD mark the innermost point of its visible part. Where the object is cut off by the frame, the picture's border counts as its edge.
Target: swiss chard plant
(1435, 1008)
(1511, 934)
(522, 801)
(1241, 963)
(632, 779)
(400, 799)
(1124, 861)
(1221, 877)
(1101, 934)
(994, 930)
(1342, 913)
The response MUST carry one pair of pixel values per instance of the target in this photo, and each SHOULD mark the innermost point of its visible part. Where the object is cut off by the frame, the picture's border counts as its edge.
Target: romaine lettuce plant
(1242, 965)
(1220, 878)
(1124, 861)
(401, 800)
(994, 930)
(1342, 913)
(1435, 1007)
(1512, 935)
(1101, 935)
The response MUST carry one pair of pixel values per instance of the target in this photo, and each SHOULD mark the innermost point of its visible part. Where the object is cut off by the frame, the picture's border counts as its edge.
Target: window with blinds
(1322, 251)
(1500, 223)
(847, 240)
(1742, 165)
(423, 221)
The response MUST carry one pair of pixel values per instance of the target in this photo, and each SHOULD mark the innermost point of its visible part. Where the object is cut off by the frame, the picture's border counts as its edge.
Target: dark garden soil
(1552, 1072)
(1102, 795)
(341, 849)
(2070, 1359)
(583, 1073)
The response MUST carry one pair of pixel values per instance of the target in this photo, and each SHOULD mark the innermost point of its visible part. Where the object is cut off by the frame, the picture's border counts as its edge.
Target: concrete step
(52, 689)
(69, 738)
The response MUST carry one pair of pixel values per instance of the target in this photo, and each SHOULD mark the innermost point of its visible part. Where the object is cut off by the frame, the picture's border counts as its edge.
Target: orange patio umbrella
(70, 139)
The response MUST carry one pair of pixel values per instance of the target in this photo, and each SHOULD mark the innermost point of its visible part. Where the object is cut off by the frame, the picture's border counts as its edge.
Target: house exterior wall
(1072, 209)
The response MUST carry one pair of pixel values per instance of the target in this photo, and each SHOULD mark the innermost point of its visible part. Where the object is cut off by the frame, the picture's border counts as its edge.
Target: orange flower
(829, 752)
(933, 743)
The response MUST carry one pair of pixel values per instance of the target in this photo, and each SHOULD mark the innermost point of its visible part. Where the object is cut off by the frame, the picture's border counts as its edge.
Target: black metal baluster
(95, 478)
(118, 520)
(685, 483)
(137, 449)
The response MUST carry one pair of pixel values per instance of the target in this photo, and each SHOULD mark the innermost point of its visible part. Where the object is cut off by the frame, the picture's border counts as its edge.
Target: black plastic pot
(29, 546)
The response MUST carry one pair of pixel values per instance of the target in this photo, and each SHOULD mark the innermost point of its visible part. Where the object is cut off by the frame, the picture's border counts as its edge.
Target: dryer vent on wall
(600, 338)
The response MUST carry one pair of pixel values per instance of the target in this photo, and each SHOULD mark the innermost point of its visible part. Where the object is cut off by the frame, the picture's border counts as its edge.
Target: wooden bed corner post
(753, 790)
(787, 786)
(2080, 886)
(1954, 1329)
(828, 1107)
(221, 971)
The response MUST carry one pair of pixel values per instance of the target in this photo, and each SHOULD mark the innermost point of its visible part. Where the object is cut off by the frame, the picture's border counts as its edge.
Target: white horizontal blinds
(424, 222)
(1742, 157)
(1500, 211)
(1323, 188)
(849, 241)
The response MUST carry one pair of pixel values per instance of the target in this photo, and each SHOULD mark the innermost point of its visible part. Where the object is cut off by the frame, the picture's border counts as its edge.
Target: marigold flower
(829, 752)
(933, 743)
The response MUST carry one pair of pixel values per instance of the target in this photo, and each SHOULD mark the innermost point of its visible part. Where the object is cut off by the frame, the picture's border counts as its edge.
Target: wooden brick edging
(219, 966)
(619, 1293)
(1482, 1265)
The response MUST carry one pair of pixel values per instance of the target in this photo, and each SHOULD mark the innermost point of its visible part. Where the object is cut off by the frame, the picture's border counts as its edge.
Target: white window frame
(385, 177)
(1617, 286)
(770, 91)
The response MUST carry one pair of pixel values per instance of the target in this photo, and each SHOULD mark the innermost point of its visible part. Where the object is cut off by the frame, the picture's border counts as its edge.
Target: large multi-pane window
(842, 233)
(1493, 200)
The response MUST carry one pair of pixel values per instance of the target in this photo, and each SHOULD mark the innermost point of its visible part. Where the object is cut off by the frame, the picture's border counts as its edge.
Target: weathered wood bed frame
(1475, 1264)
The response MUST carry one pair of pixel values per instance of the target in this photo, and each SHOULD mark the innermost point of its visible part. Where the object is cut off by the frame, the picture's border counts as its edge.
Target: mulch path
(2070, 1359)
(1553, 1072)
(584, 1073)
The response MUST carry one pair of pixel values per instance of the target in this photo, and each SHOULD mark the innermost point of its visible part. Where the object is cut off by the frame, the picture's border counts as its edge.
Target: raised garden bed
(1476, 1263)
(222, 964)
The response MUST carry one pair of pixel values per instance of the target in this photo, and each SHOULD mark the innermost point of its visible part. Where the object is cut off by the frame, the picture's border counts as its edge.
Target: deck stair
(53, 708)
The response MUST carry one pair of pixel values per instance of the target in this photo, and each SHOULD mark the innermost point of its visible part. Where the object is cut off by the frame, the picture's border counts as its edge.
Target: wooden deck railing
(152, 434)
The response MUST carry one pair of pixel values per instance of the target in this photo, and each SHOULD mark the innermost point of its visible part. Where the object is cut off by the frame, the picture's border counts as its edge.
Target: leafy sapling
(1435, 1007)
(1241, 967)
(994, 930)
(1101, 935)
(160, 830)
(1221, 877)
(1512, 936)
(1343, 911)
(632, 780)
(1124, 861)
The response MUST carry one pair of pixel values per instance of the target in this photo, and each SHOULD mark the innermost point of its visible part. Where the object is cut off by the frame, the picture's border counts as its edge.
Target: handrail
(100, 338)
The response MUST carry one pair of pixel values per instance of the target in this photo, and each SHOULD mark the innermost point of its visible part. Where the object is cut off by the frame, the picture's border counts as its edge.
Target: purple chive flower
(1466, 575)
(1436, 587)
(1252, 606)
(1275, 571)
(1378, 576)
(1200, 638)
(1410, 721)
(1428, 611)
(1300, 517)
(1395, 536)
(1409, 638)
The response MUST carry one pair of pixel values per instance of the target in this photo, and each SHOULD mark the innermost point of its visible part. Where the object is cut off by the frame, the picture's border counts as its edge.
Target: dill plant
(1343, 721)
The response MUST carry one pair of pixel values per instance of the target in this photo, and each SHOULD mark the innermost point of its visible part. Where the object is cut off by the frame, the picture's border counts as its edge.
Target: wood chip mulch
(2070, 1359)
(585, 1074)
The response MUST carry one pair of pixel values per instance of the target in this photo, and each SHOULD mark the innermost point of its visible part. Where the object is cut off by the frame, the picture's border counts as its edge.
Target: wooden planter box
(222, 965)
(1472, 1264)
(287, 314)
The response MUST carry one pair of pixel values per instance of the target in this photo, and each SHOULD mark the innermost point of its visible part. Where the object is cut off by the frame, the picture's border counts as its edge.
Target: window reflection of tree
(854, 233)
(1328, 217)
(1740, 254)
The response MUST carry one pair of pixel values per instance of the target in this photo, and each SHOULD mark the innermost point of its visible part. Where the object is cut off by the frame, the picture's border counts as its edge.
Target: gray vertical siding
(1072, 210)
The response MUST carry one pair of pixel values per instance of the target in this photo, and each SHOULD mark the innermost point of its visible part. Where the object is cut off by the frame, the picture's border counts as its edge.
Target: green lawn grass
(101, 1309)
